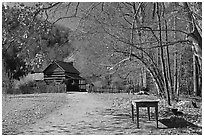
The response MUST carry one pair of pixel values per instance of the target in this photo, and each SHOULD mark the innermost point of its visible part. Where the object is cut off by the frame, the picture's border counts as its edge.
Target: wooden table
(144, 103)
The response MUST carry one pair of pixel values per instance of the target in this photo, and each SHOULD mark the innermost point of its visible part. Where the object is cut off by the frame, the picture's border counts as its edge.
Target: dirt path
(90, 114)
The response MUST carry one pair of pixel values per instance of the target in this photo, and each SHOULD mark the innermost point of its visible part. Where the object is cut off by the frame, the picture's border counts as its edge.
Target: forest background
(155, 46)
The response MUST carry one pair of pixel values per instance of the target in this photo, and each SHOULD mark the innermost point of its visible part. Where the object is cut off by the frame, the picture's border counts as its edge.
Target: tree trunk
(197, 47)
(162, 58)
(175, 72)
(200, 85)
(195, 76)
(176, 66)
(169, 66)
(144, 77)
(178, 76)
(141, 77)
(158, 83)
(154, 73)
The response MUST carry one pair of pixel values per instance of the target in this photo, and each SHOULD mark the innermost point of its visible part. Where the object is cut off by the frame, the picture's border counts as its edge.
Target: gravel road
(81, 113)
(98, 114)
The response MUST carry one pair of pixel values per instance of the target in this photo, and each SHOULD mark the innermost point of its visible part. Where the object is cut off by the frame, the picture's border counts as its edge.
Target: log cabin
(65, 73)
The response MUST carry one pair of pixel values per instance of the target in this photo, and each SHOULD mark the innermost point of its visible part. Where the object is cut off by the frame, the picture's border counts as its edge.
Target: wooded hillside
(154, 45)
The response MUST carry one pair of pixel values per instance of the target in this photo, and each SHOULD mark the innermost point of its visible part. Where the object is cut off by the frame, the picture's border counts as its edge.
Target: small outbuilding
(65, 73)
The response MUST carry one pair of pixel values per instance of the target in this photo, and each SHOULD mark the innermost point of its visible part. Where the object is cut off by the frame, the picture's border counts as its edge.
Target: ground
(88, 114)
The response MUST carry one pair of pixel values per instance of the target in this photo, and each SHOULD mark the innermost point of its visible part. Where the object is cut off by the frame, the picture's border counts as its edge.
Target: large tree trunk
(197, 48)
(195, 76)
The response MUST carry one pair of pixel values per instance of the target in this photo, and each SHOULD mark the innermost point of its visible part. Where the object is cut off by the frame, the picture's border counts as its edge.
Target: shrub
(56, 88)
(145, 89)
(40, 87)
(9, 88)
(27, 88)
(32, 87)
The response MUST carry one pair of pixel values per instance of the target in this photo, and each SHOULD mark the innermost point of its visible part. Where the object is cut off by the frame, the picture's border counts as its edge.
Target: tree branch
(44, 8)
(68, 17)
(168, 44)
(153, 70)
(68, 5)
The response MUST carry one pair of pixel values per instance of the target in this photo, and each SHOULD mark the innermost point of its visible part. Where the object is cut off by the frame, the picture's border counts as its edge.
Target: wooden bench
(144, 103)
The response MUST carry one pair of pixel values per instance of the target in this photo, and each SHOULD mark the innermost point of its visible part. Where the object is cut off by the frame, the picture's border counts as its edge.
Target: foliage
(17, 30)
(56, 88)
(31, 87)
(40, 87)
(27, 88)
(29, 41)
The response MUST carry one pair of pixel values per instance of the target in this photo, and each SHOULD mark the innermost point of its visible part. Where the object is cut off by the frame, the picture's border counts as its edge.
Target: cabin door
(72, 85)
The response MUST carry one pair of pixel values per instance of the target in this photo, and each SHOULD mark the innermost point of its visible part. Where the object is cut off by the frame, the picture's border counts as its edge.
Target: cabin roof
(74, 76)
(65, 66)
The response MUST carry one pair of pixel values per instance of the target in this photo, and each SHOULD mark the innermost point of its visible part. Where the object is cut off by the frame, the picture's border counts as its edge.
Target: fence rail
(106, 90)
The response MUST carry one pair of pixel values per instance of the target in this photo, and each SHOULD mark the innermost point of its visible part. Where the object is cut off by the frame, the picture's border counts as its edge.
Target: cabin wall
(82, 85)
(71, 80)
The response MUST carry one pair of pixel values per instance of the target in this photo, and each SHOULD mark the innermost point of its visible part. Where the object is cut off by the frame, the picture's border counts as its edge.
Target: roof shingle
(67, 66)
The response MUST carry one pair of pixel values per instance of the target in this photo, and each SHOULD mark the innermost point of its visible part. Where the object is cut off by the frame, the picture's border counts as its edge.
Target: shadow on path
(176, 122)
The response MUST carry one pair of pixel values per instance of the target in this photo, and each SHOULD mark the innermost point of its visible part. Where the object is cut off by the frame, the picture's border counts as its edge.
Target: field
(91, 114)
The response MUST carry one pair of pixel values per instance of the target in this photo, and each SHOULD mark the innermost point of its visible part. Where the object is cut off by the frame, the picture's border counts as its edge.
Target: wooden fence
(107, 90)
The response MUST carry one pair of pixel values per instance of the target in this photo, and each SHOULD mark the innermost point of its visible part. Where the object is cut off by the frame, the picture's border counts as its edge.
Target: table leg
(137, 110)
(148, 111)
(156, 113)
(132, 106)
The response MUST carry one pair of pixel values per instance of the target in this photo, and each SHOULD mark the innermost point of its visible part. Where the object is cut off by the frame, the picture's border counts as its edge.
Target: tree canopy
(29, 40)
